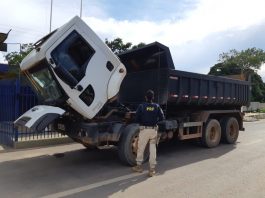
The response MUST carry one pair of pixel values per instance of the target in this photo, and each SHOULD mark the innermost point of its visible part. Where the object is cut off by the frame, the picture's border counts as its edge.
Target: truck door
(84, 65)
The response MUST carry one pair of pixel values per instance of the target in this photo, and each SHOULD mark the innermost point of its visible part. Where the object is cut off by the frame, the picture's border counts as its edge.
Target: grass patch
(261, 110)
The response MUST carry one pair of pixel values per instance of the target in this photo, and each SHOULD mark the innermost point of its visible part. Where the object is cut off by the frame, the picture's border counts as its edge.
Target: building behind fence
(15, 99)
(254, 106)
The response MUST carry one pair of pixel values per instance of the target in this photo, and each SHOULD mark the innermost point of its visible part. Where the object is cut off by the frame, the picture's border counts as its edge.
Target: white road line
(253, 142)
(92, 186)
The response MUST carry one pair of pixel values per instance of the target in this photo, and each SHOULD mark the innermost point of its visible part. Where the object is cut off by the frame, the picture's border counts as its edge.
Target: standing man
(147, 115)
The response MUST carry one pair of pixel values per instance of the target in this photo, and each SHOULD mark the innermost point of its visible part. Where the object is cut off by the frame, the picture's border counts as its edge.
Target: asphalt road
(185, 170)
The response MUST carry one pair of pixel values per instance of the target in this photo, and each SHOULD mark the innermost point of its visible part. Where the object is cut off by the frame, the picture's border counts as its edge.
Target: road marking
(92, 186)
(253, 142)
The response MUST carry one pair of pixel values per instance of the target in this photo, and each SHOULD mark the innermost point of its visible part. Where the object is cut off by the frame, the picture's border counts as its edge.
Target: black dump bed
(151, 67)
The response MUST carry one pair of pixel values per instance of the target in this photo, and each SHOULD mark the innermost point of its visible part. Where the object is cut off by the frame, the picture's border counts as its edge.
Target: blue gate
(9, 90)
(15, 99)
(8, 110)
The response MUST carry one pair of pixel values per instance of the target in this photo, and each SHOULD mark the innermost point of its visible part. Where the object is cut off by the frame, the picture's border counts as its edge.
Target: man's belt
(148, 127)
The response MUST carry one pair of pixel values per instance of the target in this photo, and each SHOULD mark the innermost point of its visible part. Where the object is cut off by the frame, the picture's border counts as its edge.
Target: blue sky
(196, 31)
(155, 10)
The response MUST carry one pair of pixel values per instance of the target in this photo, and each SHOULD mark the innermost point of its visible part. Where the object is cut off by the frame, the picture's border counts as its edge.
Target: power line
(31, 33)
(20, 29)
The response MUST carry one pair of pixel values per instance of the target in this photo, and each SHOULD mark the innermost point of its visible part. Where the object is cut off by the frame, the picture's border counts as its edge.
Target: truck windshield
(43, 82)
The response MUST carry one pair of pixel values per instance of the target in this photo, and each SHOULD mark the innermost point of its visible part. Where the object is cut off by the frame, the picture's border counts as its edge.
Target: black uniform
(148, 114)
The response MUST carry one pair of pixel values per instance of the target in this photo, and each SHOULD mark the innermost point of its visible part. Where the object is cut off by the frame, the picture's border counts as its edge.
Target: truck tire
(211, 134)
(127, 147)
(230, 130)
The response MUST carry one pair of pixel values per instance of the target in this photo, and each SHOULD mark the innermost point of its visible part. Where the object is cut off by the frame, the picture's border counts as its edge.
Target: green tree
(246, 63)
(15, 58)
(249, 59)
(139, 45)
(258, 88)
(117, 45)
(221, 69)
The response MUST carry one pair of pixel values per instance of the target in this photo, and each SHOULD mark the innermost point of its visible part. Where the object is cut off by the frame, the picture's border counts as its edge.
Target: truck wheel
(230, 130)
(127, 147)
(211, 134)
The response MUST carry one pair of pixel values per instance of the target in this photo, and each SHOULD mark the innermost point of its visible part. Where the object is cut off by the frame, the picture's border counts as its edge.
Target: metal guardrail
(9, 135)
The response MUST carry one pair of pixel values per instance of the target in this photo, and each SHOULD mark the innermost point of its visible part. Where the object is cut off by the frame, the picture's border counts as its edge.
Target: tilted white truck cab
(91, 95)
(71, 64)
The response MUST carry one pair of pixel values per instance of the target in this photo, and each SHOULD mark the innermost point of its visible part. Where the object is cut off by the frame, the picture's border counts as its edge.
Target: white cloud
(261, 72)
(30, 19)
(27, 20)
(219, 15)
(210, 16)
(186, 36)
(225, 19)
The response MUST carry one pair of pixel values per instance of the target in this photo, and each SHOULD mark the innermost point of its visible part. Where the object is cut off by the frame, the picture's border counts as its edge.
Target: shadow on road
(44, 175)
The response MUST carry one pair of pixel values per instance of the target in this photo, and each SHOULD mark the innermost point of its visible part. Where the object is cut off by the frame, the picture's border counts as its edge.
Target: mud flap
(39, 117)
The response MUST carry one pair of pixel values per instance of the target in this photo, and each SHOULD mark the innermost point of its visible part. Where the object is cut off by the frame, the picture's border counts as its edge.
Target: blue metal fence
(7, 133)
(3, 67)
(8, 103)
(15, 99)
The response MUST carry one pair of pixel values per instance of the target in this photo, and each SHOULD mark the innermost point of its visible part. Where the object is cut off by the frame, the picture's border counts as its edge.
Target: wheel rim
(213, 134)
(232, 131)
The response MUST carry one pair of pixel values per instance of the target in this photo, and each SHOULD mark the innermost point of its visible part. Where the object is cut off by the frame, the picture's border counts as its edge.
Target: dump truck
(91, 95)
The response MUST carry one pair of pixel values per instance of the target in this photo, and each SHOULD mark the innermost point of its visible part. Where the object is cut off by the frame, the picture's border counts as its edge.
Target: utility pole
(51, 16)
(81, 8)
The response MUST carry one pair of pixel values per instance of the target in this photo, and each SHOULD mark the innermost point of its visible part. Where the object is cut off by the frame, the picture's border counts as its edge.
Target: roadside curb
(252, 117)
(42, 142)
